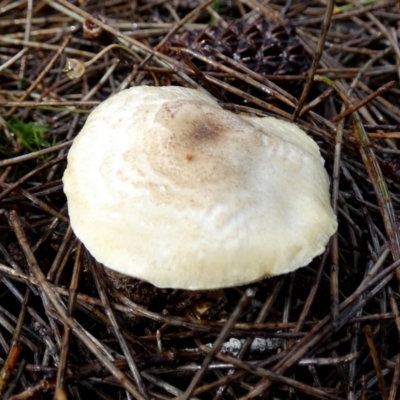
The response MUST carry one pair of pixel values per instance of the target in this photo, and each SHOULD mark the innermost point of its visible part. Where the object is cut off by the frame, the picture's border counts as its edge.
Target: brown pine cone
(261, 46)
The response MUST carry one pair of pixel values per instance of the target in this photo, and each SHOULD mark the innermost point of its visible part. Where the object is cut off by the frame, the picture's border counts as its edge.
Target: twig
(395, 381)
(96, 272)
(62, 366)
(75, 328)
(378, 92)
(317, 56)
(15, 349)
(243, 303)
(375, 359)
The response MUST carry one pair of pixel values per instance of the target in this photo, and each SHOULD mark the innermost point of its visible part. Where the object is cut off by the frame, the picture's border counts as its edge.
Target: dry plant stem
(15, 266)
(311, 295)
(96, 314)
(35, 154)
(71, 130)
(352, 370)
(103, 348)
(264, 373)
(39, 203)
(247, 75)
(44, 46)
(238, 375)
(177, 26)
(375, 268)
(364, 206)
(334, 273)
(362, 103)
(368, 65)
(330, 361)
(79, 14)
(381, 190)
(43, 386)
(10, 328)
(376, 177)
(243, 303)
(210, 328)
(13, 59)
(141, 311)
(367, 289)
(26, 38)
(334, 283)
(264, 8)
(16, 347)
(316, 101)
(395, 381)
(211, 88)
(60, 254)
(10, 137)
(317, 56)
(175, 321)
(34, 104)
(395, 43)
(18, 376)
(164, 385)
(381, 135)
(41, 75)
(107, 49)
(60, 394)
(260, 318)
(392, 38)
(248, 97)
(287, 304)
(215, 17)
(31, 311)
(395, 310)
(387, 106)
(64, 350)
(96, 270)
(375, 359)
(50, 229)
(25, 178)
(54, 328)
(224, 381)
(99, 84)
(74, 326)
(363, 392)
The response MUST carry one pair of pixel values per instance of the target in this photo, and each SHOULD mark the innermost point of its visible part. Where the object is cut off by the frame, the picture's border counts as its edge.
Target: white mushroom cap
(166, 186)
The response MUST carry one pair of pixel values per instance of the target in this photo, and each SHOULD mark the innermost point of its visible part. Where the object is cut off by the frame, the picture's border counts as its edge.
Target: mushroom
(166, 186)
